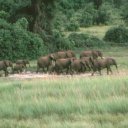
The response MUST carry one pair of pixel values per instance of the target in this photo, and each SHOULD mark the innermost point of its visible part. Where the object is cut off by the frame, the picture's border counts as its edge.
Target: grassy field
(98, 31)
(68, 102)
(74, 102)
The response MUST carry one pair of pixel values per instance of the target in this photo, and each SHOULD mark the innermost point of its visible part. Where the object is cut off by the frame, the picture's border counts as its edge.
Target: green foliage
(117, 34)
(84, 40)
(60, 42)
(22, 23)
(94, 42)
(16, 42)
(4, 15)
(124, 12)
(79, 40)
(88, 15)
(103, 14)
(72, 25)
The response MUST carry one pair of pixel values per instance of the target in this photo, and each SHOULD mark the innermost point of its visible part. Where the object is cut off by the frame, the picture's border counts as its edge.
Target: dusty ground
(29, 75)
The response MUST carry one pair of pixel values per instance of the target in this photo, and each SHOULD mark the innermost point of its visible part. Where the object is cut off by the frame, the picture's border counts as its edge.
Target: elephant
(63, 64)
(112, 61)
(78, 66)
(4, 65)
(18, 68)
(45, 62)
(86, 61)
(100, 54)
(60, 55)
(24, 62)
(91, 53)
(98, 65)
(70, 54)
(64, 54)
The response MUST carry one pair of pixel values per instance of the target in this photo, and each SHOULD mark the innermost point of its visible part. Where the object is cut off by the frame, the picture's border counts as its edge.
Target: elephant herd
(17, 68)
(65, 62)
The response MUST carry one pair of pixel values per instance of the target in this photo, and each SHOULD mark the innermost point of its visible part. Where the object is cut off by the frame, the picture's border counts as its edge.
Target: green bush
(60, 42)
(104, 13)
(79, 40)
(117, 34)
(124, 12)
(4, 15)
(94, 42)
(16, 42)
(72, 25)
(88, 15)
(84, 40)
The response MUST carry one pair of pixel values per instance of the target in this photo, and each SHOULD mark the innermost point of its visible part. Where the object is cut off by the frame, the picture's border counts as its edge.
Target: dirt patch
(30, 75)
(33, 75)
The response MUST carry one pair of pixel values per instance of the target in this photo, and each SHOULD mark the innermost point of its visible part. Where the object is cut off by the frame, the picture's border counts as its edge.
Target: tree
(39, 13)
(97, 3)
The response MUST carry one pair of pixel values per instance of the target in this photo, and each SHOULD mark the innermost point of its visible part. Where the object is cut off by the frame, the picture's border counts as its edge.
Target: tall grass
(74, 101)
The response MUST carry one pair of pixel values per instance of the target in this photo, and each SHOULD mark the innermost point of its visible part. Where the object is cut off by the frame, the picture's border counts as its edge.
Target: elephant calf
(18, 68)
(23, 62)
(4, 65)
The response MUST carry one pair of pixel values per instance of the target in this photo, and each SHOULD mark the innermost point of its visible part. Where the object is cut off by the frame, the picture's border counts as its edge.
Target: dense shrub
(104, 13)
(60, 42)
(93, 41)
(88, 15)
(117, 34)
(124, 12)
(84, 40)
(79, 40)
(16, 42)
(4, 15)
(72, 26)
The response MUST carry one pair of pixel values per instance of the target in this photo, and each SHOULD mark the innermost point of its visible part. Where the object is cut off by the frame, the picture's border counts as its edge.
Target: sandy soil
(30, 75)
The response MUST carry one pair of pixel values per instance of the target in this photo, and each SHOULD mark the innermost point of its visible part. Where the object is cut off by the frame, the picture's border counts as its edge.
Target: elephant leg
(93, 72)
(6, 72)
(43, 69)
(107, 71)
(100, 72)
(110, 70)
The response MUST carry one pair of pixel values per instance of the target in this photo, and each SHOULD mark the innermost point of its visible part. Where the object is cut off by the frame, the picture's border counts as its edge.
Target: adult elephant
(62, 65)
(70, 54)
(91, 53)
(4, 65)
(45, 62)
(64, 54)
(98, 65)
(60, 55)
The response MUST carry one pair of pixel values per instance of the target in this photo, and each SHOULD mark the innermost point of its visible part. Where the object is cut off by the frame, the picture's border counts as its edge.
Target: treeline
(32, 28)
(72, 14)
